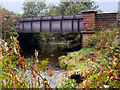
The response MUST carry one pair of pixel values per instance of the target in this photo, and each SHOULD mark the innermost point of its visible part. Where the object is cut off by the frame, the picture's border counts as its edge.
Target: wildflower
(113, 62)
(115, 59)
(111, 72)
(105, 72)
(92, 58)
(4, 80)
(112, 56)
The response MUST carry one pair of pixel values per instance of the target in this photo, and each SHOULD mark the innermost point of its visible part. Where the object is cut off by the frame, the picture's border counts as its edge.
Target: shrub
(14, 67)
(100, 38)
(102, 68)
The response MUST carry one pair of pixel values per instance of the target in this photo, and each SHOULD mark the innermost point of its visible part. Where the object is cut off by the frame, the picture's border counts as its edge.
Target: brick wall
(85, 38)
(92, 20)
(89, 25)
(119, 23)
(89, 20)
(106, 21)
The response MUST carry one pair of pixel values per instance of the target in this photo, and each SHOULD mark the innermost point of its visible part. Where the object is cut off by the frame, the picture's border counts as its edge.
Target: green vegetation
(71, 7)
(99, 63)
(34, 9)
(15, 68)
(58, 37)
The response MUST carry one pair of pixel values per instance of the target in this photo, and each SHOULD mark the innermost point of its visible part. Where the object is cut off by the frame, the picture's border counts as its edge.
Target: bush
(14, 67)
(101, 65)
(100, 38)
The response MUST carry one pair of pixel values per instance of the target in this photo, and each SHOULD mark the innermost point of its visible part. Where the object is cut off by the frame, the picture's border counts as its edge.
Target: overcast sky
(17, 5)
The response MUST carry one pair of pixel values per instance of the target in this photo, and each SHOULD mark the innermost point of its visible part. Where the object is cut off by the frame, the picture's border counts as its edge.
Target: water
(52, 51)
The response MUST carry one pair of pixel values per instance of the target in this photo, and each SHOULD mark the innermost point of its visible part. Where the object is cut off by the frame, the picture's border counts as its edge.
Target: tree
(9, 24)
(34, 8)
(72, 7)
(99, 11)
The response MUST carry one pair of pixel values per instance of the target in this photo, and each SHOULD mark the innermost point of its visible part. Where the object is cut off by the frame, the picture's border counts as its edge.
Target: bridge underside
(70, 23)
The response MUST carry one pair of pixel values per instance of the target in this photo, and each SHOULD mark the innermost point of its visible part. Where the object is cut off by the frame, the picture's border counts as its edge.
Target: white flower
(106, 86)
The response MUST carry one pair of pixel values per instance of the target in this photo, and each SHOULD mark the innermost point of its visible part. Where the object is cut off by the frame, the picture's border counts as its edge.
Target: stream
(52, 51)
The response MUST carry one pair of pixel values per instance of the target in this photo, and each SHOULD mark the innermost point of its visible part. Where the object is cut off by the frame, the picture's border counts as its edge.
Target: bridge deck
(69, 23)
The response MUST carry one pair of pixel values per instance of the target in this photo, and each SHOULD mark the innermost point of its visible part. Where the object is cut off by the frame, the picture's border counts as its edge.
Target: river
(52, 51)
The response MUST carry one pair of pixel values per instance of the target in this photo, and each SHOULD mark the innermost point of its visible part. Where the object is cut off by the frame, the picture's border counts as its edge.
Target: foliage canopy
(34, 9)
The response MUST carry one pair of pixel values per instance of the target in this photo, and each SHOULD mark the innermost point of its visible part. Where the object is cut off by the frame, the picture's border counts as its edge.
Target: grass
(75, 59)
(99, 63)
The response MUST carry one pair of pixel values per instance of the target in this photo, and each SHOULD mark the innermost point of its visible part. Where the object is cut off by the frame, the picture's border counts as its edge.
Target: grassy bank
(99, 63)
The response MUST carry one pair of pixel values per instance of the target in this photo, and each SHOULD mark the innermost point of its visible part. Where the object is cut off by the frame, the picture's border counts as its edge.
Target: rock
(66, 67)
(52, 55)
(77, 77)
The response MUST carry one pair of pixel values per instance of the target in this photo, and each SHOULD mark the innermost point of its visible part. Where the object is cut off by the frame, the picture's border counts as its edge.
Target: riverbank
(99, 64)
(51, 51)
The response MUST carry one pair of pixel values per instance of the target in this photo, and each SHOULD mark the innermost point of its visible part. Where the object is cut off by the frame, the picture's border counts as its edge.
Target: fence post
(89, 17)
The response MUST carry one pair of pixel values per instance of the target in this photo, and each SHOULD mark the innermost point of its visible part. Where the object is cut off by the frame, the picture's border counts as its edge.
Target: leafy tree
(49, 9)
(34, 8)
(72, 7)
(99, 11)
(18, 15)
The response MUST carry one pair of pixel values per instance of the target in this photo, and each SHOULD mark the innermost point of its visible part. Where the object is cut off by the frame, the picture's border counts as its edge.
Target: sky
(17, 5)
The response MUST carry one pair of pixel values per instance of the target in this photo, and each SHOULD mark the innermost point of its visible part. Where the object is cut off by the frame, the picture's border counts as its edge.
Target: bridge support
(89, 26)
(85, 37)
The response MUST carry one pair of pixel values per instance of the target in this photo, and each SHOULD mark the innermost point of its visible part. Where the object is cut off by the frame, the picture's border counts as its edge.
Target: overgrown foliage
(99, 65)
(100, 38)
(9, 24)
(15, 69)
